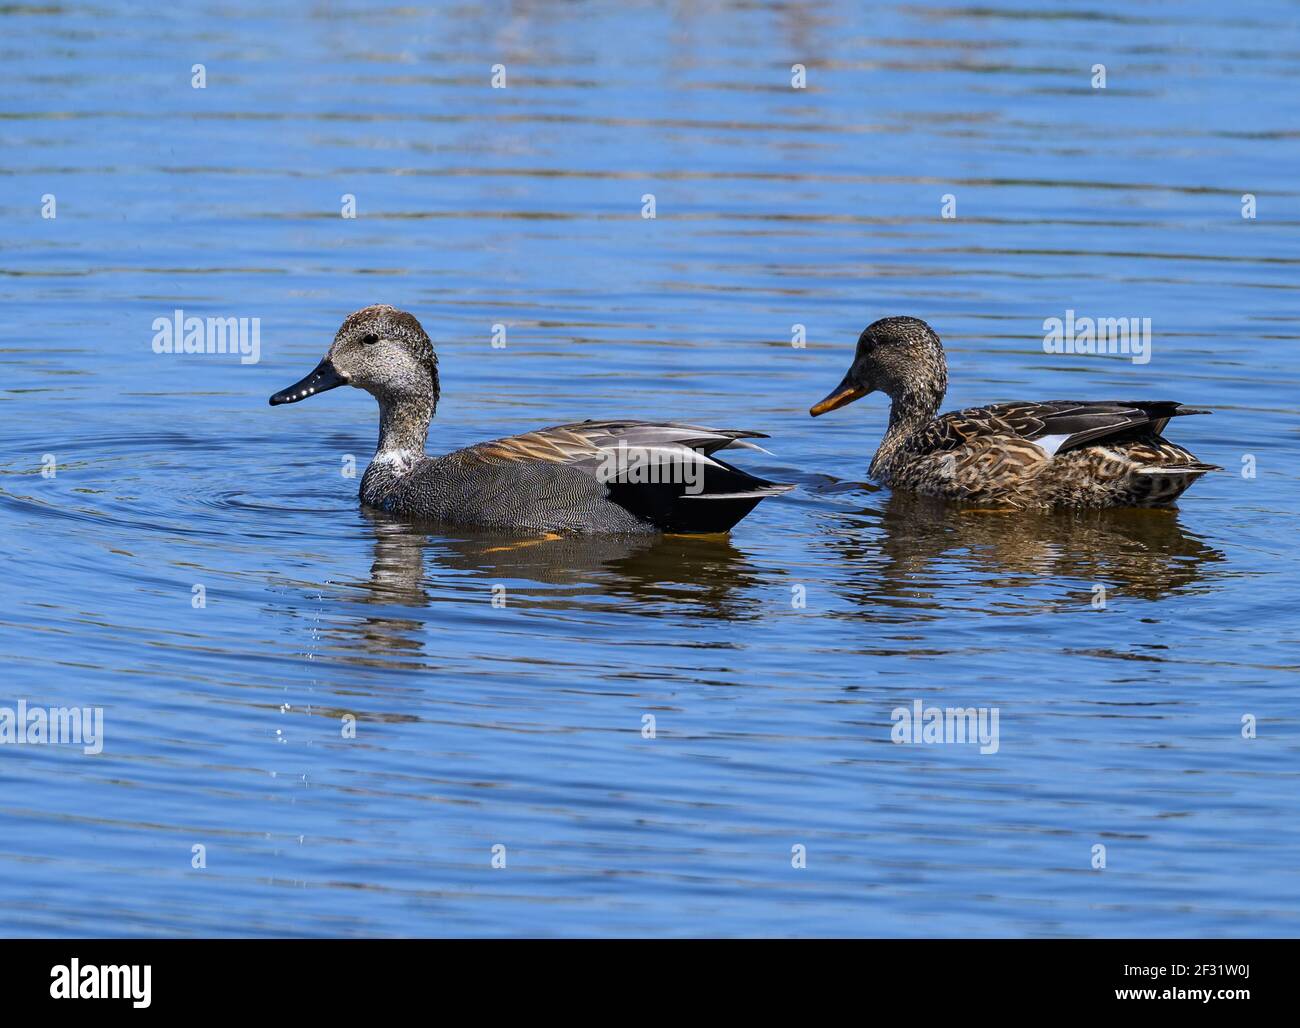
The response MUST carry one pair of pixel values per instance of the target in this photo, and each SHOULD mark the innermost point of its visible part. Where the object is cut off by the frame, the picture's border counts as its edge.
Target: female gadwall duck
(1059, 453)
(596, 476)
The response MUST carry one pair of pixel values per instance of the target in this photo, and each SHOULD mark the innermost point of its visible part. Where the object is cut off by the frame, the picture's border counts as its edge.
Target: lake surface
(523, 726)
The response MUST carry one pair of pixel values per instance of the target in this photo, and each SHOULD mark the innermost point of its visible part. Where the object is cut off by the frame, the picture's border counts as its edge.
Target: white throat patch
(401, 461)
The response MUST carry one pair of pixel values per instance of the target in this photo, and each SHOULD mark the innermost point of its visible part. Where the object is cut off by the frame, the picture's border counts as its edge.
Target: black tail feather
(715, 504)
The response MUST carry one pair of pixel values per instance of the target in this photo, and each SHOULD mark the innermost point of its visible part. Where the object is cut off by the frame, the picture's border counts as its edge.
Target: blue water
(522, 726)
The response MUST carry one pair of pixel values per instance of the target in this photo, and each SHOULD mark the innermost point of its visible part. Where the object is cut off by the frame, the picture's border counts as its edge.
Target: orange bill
(844, 393)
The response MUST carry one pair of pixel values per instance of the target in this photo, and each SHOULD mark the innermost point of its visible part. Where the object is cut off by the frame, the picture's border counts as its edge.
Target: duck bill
(323, 377)
(844, 393)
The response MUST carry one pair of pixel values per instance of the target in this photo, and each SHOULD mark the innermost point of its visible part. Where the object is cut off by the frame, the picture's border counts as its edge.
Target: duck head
(901, 357)
(379, 349)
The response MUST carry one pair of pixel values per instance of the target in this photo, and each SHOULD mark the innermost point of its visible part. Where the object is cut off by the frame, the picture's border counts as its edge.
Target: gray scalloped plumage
(590, 476)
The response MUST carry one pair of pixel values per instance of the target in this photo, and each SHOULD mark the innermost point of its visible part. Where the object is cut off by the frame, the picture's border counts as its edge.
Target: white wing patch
(1049, 444)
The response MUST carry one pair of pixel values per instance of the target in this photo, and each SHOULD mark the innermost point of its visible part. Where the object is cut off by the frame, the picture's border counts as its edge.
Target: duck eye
(369, 339)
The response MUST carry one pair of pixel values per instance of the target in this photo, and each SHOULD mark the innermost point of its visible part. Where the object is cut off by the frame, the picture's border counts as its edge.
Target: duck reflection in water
(668, 575)
(908, 550)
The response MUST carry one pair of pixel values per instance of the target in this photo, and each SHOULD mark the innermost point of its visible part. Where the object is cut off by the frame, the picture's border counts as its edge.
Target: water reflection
(909, 550)
(703, 576)
(396, 585)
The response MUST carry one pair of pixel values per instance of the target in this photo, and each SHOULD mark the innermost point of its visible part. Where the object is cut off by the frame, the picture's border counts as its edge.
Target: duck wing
(658, 471)
(588, 444)
(1055, 425)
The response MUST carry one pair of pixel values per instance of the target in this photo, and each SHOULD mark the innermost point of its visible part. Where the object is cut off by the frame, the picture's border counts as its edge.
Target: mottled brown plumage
(1066, 453)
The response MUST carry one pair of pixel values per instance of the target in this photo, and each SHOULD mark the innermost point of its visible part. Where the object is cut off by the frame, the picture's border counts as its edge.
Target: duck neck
(404, 425)
(911, 410)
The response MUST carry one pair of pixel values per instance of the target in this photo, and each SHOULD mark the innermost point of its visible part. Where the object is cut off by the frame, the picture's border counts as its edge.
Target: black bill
(323, 377)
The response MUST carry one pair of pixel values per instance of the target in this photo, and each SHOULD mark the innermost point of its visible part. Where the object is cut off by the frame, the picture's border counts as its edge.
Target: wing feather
(1060, 425)
(588, 444)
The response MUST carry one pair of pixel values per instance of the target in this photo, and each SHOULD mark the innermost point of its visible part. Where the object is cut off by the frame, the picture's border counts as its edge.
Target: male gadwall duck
(595, 476)
(1058, 453)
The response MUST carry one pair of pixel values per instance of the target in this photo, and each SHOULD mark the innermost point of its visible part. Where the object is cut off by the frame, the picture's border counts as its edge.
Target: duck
(588, 477)
(1016, 455)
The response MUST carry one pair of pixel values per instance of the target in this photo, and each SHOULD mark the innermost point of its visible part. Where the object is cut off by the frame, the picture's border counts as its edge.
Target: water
(521, 727)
